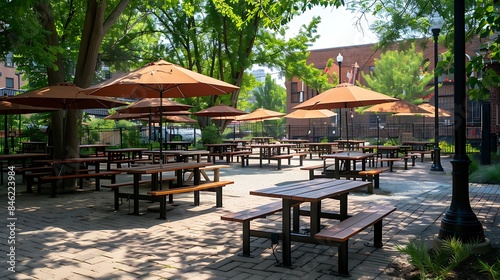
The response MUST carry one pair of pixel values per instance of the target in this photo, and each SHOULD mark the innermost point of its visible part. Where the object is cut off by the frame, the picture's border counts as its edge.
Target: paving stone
(79, 236)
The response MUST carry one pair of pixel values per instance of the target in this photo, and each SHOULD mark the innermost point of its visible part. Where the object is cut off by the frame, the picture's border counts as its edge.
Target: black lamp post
(340, 58)
(459, 220)
(436, 24)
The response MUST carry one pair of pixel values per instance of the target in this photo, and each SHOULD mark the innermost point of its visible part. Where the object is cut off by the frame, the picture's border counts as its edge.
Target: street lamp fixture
(436, 25)
(340, 59)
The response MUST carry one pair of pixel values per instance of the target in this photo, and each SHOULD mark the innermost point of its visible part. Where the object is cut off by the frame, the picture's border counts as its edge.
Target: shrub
(487, 174)
(438, 262)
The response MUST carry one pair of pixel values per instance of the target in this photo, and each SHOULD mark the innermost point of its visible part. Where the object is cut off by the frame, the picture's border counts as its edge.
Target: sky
(337, 29)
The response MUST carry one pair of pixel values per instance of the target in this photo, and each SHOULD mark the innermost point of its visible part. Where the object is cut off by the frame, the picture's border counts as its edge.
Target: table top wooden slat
(311, 191)
(349, 156)
(157, 168)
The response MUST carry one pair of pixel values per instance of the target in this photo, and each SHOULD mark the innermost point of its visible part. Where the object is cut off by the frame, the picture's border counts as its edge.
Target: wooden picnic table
(271, 151)
(322, 148)
(155, 170)
(293, 194)
(350, 144)
(177, 145)
(348, 159)
(99, 149)
(418, 145)
(24, 158)
(299, 143)
(180, 155)
(124, 155)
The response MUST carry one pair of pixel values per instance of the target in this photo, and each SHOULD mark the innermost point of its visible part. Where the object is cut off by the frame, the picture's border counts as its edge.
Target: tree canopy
(401, 74)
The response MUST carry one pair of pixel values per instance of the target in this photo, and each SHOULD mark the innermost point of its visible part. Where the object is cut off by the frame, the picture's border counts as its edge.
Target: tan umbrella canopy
(176, 119)
(441, 112)
(161, 79)
(310, 114)
(64, 96)
(158, 80)
(399, 106)
(9, 108)
(133, 116)
(153, 105)
(345, 96)
(220, 111)
(261, 114)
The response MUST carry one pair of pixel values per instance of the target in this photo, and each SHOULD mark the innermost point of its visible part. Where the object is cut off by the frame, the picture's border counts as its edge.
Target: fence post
(121, 137)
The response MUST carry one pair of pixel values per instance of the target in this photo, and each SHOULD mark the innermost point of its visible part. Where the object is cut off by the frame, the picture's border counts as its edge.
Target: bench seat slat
(346, 229)
(201, 187)
(256, 212)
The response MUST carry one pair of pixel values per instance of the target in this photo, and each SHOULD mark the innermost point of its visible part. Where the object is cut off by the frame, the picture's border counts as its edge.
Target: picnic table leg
(246, 240)
(296, 218)
(377, 234)
(343, 207)
(287, 243)
(97, 180)
(315, 218)
(343, 262)
(218, 197)
(216, 175)
(137, 178)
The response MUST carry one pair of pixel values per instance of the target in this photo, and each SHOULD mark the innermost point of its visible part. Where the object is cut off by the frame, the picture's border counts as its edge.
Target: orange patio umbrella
(310, 114)
(345, 96)
(161, 79)
(9, 108)
(399, 106)
(259, 115)
(153, 105)
(64, 96)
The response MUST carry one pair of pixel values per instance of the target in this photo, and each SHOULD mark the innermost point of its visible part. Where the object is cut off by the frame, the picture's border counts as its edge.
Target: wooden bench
(339, 234)
(116, 188)
(278, 158)
(373, 175)
(246, 216)
(230, 155)
(35, 176)
(302, 156)
(313, 168)
(413, 158)
(215, 168)
(217, 186)
(423, 153)
(97, 176)
(389, 161)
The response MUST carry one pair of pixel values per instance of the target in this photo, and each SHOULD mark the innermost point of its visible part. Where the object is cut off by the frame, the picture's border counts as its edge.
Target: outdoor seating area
(234, 213)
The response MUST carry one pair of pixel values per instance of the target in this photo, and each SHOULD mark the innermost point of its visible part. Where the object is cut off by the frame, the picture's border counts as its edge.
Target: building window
(295, 95)
(9, 82)
(8, 60)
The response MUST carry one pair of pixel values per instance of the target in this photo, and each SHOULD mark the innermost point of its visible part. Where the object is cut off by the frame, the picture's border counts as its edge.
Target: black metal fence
(142, 137)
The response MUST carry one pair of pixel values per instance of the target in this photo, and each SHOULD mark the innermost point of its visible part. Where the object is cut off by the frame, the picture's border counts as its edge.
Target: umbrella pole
(378, 139)
(347, 132)
(6, 136)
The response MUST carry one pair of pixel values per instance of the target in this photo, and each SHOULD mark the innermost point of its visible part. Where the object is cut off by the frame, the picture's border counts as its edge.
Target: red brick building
(363, 56)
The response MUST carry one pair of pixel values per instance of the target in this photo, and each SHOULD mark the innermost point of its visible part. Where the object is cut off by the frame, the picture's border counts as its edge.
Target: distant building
(360, 58)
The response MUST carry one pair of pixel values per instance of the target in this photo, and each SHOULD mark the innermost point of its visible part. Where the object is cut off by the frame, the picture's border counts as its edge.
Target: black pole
(6, 136)
(459, 220)
(340, 109)
(436, 165)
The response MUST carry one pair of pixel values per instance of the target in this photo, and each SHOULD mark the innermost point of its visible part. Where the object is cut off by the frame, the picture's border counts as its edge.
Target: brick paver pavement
(79, 236)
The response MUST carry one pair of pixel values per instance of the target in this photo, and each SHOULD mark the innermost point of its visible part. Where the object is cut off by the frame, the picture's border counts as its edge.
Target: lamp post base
(436, 165)
(478, 249)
